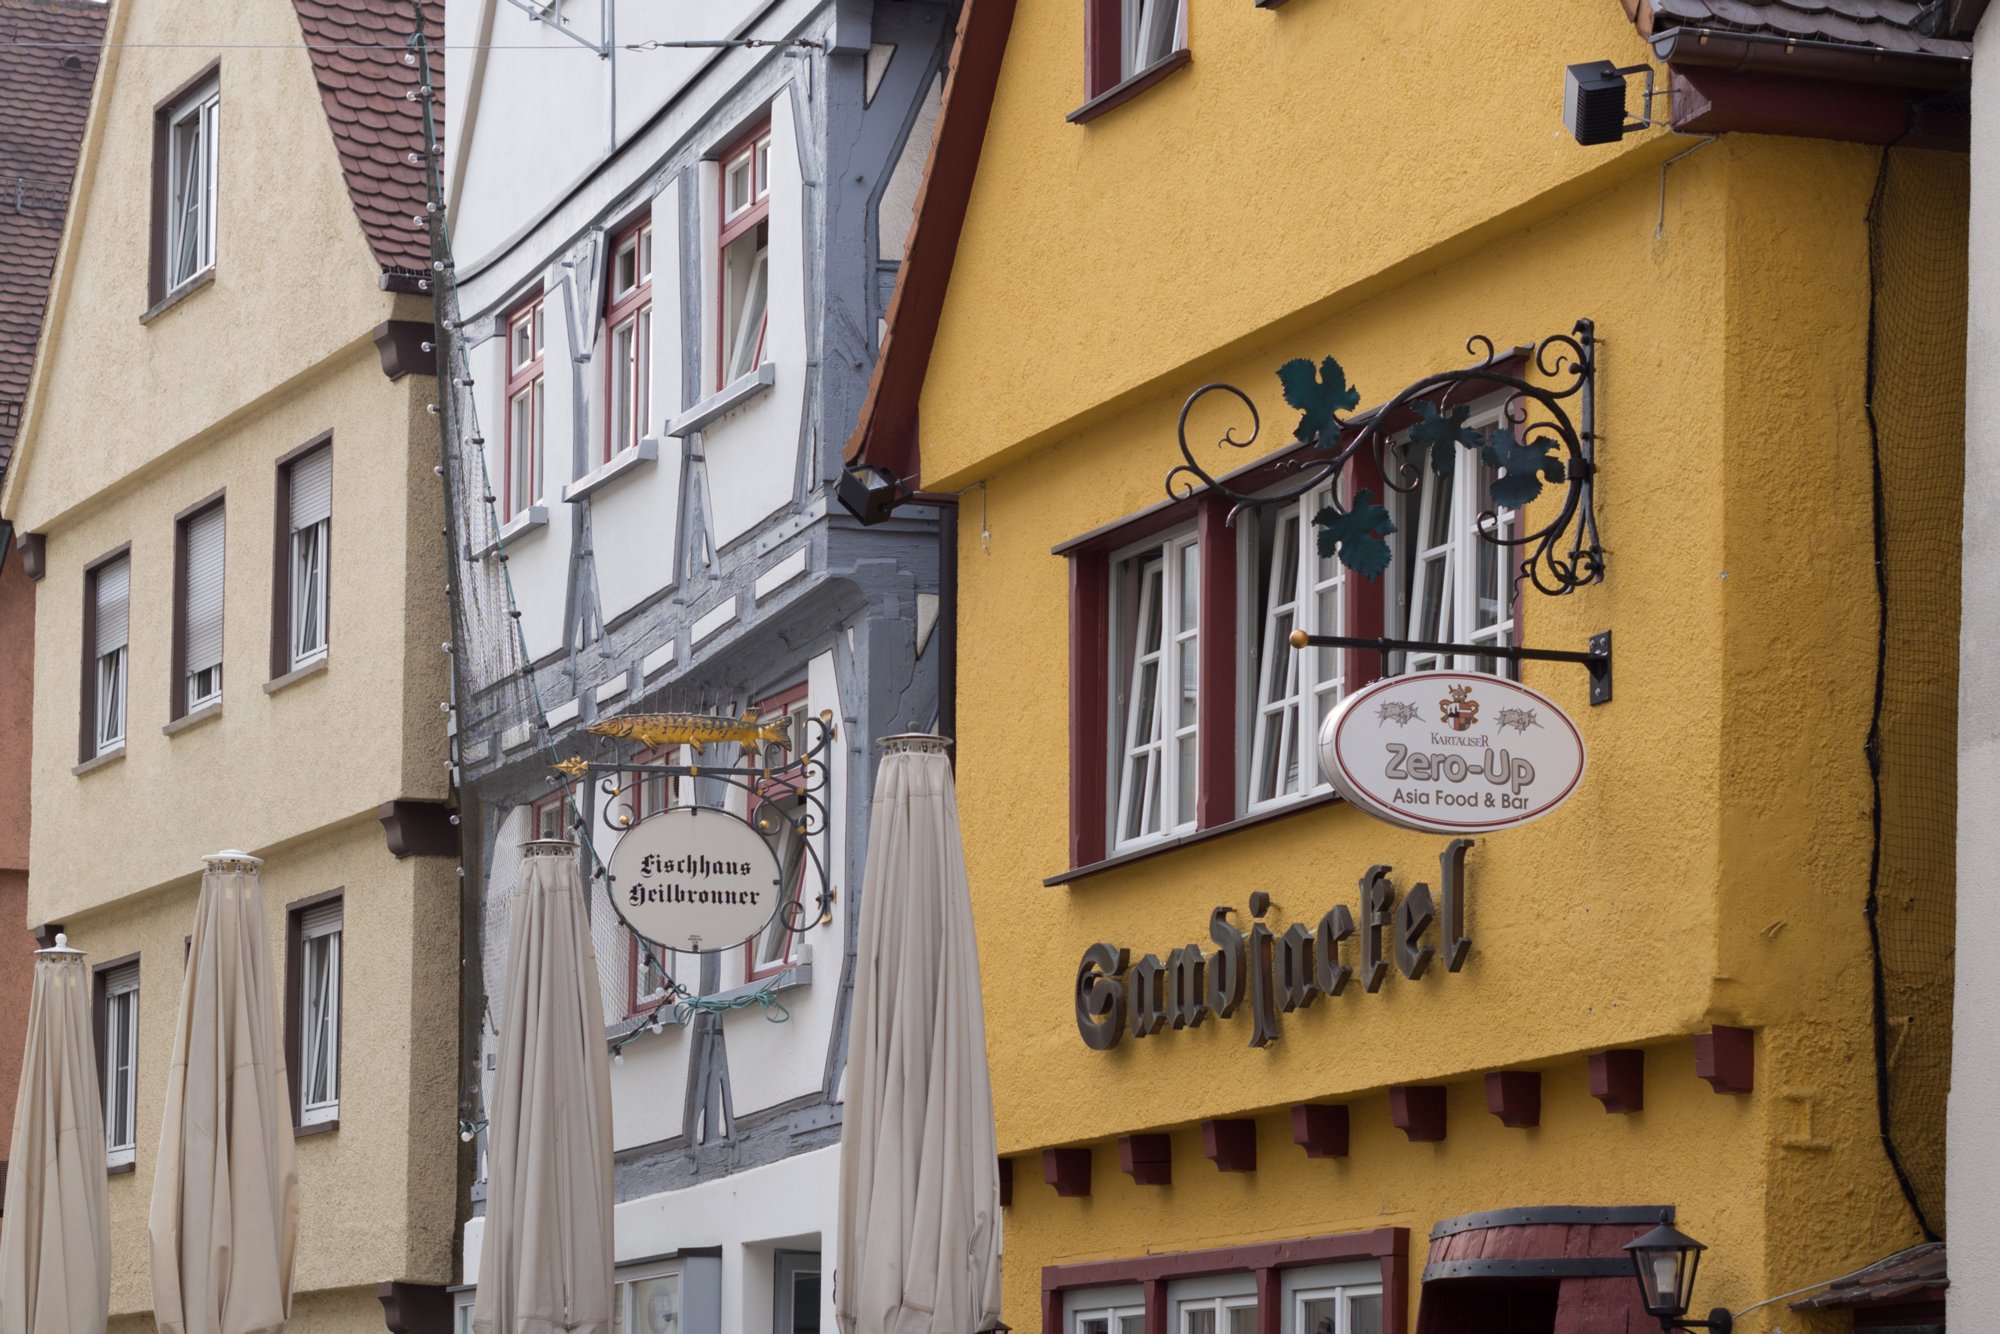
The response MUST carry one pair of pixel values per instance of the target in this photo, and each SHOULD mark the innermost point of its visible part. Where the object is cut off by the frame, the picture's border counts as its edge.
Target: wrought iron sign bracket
(1596, 660)
(1545, 438)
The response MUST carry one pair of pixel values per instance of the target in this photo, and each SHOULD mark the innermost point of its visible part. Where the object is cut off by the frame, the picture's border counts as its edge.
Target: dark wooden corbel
(400, 345)
(418, 828)
(415, 1308)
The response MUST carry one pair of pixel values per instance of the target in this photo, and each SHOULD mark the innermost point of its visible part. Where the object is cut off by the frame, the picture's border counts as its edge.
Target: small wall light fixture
(1665, 1261)
(1594, 101)
(870, 493)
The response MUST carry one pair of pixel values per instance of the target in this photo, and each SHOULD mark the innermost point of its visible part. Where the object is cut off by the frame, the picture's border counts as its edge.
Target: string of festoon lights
(671, 1002)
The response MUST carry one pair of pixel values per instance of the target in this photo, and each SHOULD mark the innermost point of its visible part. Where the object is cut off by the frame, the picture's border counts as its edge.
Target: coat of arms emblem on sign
(1461, 711)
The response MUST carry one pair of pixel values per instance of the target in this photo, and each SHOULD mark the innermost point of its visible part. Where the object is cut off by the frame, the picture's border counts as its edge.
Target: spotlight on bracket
(870, 493)
(1594, 101)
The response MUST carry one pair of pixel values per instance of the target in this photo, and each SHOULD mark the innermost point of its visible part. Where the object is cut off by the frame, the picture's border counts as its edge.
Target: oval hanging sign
(694, 879)
(1452, 752)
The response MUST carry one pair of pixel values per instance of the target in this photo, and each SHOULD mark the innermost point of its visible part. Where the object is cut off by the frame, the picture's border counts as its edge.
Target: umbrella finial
(231, 859)
(914, 743)
(60, 949)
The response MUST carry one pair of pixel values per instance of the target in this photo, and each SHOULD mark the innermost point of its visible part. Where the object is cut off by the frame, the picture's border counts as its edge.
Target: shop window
(1223, 1304)
(1332, 1299)
(522, 470)
(744, 256)
(1342, 1284)
(1118, 1310)
(646, 1300)
(628, 322)
(1155, 666)
(116, 987)
(107, 617)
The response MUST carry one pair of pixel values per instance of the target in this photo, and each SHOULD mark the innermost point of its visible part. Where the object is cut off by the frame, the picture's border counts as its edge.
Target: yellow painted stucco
(130, 423)
(1376, 181)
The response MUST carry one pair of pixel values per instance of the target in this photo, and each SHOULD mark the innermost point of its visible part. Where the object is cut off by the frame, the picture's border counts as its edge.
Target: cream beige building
(224, 485)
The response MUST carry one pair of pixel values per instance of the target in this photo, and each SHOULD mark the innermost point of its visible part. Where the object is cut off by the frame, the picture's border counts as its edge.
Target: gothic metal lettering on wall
(1276, 972)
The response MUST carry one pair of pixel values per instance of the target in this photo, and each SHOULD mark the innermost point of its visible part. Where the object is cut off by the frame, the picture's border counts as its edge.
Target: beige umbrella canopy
(225, 1210)
(545, 1262)
(55, 1256)
(919, 1181)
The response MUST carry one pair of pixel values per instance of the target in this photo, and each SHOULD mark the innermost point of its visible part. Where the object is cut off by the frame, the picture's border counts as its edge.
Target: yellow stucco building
(1672, 1004)
(224, 485)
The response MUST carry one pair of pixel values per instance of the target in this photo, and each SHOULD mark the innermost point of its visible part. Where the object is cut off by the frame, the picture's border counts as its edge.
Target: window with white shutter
(192, 134)
(310, 486)
(201, 609)
(110, 601)
(318, 1001)
(118, 1007)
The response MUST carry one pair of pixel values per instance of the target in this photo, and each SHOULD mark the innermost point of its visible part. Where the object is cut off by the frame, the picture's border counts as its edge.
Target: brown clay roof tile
(1887, 25)
(357, 57)
(48, 60)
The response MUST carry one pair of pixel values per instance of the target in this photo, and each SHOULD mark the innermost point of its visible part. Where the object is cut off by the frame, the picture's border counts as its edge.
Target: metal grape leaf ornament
(1439, 433)
(1318, 397)
(1526, 464)
(1357, 534)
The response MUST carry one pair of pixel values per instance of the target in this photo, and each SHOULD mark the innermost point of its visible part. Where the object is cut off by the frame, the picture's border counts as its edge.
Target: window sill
(298, 674)
(1112, 863)
(120, 1169)
(213, 709)
(1126, 89)
(725, 400)
(530, 520)
(316, 1128)
(99, 761)
(178, 295)
(624, 462)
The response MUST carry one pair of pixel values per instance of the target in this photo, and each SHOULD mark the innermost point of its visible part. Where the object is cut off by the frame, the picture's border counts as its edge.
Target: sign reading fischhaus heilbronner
(1452, 752)
(1276, 972)
(694, 878)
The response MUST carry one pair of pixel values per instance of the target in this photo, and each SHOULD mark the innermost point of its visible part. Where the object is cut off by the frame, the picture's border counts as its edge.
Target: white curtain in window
(204, 592)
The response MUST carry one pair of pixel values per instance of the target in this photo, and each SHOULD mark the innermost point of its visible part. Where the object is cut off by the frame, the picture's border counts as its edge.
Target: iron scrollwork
(1546, 434)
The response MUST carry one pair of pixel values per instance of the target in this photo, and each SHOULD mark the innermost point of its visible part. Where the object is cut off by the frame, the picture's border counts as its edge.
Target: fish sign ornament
(1452, 752)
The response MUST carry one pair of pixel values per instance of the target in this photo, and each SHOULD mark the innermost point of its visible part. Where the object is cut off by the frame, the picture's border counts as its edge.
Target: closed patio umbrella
(224, 1220)
(919, 1245)
(545, 1261)
(55, 1257)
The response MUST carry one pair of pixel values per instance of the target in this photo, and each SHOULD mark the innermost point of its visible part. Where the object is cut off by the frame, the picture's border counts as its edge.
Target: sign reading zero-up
(694, 879)
(1452, 752)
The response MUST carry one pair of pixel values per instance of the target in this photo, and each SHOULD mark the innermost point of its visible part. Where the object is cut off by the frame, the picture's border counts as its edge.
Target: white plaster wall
(770, 1063)
(1972, 1156)
(635, 523)
(736, 1214)
(753, 453)
(538, 561)
(649, 1089)
(898, 205)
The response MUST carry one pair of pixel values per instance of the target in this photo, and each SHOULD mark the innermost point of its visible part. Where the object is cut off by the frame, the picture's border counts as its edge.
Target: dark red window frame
(728, 229)
(768, 790)
(617, 309)
(635, 953)
(1388, 1246)
(517, 379)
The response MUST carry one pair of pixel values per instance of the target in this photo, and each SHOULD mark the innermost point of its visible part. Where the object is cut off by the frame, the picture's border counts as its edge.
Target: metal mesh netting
(1917, 244)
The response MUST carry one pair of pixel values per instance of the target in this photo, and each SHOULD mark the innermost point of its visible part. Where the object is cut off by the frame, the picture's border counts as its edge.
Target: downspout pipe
(1767, 53)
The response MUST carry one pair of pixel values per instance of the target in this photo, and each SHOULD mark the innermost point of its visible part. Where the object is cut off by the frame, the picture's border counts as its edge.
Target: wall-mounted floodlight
(870, 493)
(1594, 101)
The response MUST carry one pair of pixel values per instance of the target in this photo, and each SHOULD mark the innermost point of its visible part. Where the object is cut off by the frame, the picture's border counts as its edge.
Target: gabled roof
(48, 61)
(357, 49)
(887, 433)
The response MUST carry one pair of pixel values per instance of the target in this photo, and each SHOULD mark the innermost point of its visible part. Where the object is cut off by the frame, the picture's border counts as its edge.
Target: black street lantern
(1665, 1261)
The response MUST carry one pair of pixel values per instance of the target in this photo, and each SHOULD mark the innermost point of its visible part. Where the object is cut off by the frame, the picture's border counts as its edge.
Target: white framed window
(1116, 1310)
(201, 608)
(191, 160)
(646, 1299)
(319, 973)
(628, 317)
(1219, 1304)
(120, 989)
(1155, 672)
(522, 481)
(1290, 692)
(745, 254)
(1458, 587)
(310, 487)
(1149, 32)
(111, 606)
(1332, 1299)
